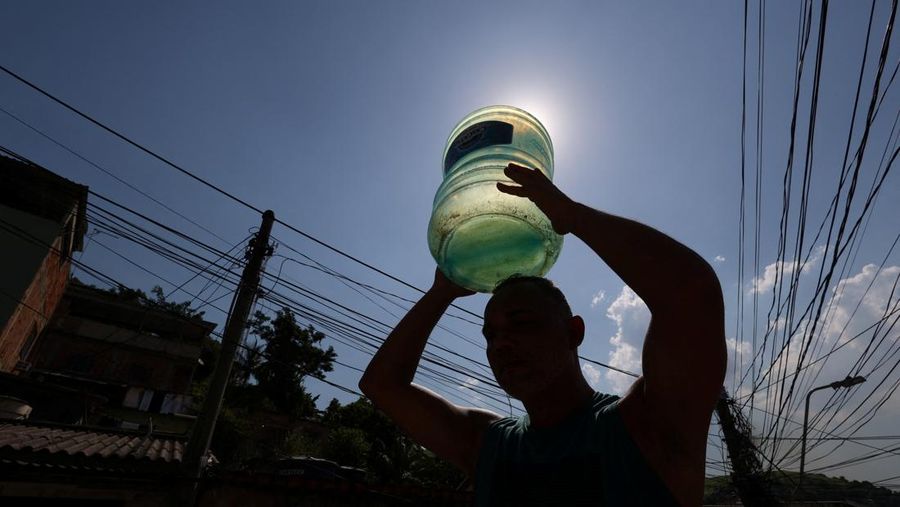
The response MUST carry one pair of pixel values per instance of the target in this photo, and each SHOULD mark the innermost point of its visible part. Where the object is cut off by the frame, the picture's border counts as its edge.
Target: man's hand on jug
(442, 285)
(537, 188)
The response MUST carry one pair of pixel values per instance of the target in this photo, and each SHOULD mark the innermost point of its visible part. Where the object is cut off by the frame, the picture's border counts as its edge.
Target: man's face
(528, 339)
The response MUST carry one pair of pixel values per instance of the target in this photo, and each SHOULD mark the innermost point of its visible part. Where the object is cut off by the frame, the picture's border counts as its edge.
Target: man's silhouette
(575, 446)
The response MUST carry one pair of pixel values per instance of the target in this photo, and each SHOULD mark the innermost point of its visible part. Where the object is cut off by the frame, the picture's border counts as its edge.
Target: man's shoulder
(502, 425)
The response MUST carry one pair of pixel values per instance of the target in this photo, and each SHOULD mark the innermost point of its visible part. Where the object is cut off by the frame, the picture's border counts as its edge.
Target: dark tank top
(588, 459)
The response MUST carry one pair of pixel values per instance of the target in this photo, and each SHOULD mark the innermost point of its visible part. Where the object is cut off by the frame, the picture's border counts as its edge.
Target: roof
(56, 445)
(33, 189)
(93, 303)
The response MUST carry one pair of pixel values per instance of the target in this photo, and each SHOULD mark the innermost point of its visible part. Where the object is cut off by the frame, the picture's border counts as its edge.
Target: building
(76, 353)
(136, 353)
(93, 383)
(42, 222)
(55, 464)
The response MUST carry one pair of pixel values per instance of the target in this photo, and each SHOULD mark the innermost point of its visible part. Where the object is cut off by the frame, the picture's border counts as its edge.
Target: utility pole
(746, 474)
(195, 452)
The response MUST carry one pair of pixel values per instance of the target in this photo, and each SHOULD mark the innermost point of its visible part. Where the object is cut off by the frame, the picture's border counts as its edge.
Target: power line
(109, 173)
(209, 184)
(825, 432)
(344, 277)
(220, 190)
(778, 265)
(294, 304)
(113, 282)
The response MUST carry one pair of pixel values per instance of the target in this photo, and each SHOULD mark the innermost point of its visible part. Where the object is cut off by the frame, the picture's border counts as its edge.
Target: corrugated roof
(64, 445)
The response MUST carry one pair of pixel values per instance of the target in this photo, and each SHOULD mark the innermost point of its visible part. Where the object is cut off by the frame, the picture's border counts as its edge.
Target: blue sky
(335, 114)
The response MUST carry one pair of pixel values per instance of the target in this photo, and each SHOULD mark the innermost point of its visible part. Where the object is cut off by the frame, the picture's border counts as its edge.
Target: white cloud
(743, 392)
(626, 357)
(719, 258)
(632, 317)
(854, 304)
(858, 302)
(740, 347)
(787, 269)
(738, 356)
(598, 298)
(592, 374)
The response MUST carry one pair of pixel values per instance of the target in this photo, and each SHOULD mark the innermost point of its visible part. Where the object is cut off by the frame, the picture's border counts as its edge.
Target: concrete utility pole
(195, 453)
(746, 474)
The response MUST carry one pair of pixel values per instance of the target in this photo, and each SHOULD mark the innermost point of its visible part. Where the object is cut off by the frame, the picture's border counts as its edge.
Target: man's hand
(543, 193)
(443, 286)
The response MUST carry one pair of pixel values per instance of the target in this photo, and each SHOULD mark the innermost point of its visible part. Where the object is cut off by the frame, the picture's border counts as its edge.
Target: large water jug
(478, 235)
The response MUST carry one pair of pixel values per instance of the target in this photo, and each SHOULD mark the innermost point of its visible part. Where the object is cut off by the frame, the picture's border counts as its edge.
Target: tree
(158, 301)
(184, 308)
(265, 386)
(248, 360)
(290, 353)
(347, 446)
(268, 378)
(392, 457)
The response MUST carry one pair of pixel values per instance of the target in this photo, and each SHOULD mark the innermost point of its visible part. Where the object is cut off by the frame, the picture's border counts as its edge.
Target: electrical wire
(210, 185)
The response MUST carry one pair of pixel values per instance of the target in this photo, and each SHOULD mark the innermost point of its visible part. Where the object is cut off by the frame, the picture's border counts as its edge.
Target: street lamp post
(847, 382)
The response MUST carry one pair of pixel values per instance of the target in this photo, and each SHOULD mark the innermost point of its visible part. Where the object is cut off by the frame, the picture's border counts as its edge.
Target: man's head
(531, 336)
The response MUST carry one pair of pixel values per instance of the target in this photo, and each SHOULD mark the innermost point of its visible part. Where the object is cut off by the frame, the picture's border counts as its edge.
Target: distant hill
(814, 487)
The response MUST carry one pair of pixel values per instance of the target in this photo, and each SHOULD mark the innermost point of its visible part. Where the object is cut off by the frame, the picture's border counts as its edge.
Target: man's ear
(576, 331)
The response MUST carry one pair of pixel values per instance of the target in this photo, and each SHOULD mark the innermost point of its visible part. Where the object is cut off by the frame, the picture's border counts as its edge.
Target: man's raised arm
(684, 352)
(453, 433)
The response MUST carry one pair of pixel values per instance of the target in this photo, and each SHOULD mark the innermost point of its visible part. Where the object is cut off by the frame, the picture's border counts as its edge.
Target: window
(28, 344)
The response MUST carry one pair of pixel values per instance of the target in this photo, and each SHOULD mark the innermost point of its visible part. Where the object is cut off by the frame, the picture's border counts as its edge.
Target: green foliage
(809, 488)
(248, 360)
(347, 446)
(183, 308)
(267, 383)
(431, 471)
(158, 301)
(232, 440)
(392, 457)
(300, 443)
(290, 353)
(265, 396)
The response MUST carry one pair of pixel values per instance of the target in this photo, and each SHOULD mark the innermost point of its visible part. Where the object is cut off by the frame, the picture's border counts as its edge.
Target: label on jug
(480, 135)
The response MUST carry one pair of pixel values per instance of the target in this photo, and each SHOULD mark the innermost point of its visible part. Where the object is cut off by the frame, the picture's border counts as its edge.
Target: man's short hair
(544, 285)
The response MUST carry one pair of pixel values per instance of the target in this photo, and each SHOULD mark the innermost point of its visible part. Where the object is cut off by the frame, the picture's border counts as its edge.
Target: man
(575, 446)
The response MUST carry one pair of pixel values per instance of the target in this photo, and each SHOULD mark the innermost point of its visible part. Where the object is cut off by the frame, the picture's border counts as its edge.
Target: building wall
(63, 490)
(30, 272)
(114, 362)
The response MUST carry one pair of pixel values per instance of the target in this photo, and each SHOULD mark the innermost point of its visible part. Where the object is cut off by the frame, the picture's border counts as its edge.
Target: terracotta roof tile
(88, 443)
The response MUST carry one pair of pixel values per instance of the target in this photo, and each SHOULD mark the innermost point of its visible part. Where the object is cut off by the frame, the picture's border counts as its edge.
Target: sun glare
(545, 108)
(551, 106)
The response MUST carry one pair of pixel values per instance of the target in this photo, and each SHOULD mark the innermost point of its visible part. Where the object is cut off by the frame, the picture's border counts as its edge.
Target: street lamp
(847, 382)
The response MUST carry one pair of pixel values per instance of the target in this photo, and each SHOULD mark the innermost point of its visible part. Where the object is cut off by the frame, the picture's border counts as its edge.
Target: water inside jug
(478, 235)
